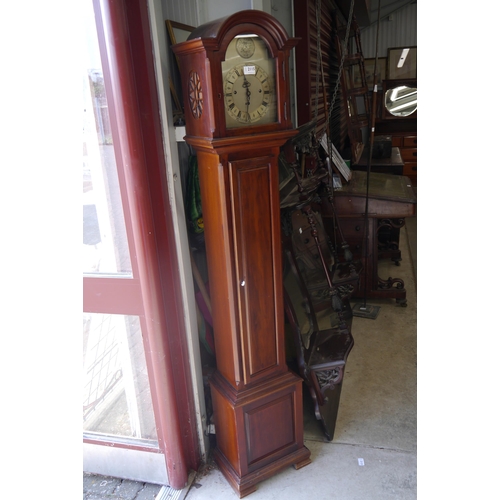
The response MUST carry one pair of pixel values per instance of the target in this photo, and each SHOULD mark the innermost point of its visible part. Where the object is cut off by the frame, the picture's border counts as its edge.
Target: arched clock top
(218, 33)
(235, 76)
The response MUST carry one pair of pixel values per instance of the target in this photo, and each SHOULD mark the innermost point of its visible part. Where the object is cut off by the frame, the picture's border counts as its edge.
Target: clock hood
(245, 21)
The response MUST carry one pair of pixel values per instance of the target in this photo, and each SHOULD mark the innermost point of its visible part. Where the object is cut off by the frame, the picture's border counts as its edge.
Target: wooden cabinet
(407, 144)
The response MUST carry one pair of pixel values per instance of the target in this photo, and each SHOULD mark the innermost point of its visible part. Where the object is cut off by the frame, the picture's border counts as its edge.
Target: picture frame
(370, 70)
(177, 33)
(402, 63)
(369, 64)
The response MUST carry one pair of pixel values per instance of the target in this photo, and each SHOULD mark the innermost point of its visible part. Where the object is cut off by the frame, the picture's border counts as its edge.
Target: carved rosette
(328, 379)
(195, 93)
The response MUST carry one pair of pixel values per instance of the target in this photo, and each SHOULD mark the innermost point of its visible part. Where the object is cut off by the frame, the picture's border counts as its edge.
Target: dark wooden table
(390, 200)
(393, 165)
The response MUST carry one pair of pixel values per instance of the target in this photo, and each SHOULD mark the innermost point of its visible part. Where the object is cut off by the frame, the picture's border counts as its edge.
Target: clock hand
(246, 85)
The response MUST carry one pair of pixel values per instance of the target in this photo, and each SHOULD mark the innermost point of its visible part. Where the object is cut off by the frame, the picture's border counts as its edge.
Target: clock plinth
(257, 401)
(261, 433)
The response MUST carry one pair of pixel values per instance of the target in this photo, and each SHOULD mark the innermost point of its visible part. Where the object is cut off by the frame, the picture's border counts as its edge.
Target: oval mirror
(401, 101)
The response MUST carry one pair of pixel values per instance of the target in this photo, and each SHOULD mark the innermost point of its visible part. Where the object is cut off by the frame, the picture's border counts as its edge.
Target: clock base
(259, 431)
(243, 486)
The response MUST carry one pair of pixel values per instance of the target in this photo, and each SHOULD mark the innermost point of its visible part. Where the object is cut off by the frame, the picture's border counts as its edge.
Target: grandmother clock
(237, 98)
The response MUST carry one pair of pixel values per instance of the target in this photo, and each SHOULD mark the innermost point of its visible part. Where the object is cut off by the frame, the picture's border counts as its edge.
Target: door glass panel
(116, 394)
(105, 248)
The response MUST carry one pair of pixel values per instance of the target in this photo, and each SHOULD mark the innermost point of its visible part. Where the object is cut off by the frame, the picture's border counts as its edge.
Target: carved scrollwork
(392, 223)
(345, 291)
(391, 283)
(328, 379)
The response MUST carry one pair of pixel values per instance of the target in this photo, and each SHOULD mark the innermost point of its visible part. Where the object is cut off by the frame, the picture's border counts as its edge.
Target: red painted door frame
(124, 34)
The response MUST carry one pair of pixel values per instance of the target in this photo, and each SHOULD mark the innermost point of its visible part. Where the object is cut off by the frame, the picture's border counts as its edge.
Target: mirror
(401, 101)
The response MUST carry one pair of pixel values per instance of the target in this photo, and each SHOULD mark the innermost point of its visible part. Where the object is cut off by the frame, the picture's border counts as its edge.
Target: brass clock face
(249, 84)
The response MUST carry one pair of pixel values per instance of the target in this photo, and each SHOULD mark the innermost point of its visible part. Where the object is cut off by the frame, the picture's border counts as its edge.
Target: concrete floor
(374, 451)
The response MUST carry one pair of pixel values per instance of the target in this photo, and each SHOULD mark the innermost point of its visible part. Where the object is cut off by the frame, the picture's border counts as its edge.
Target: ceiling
(366, 11)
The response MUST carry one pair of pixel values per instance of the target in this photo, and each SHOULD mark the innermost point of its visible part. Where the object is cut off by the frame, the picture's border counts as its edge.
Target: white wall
(196, 12)
(215, 9)
(185, 12)
(399, 31)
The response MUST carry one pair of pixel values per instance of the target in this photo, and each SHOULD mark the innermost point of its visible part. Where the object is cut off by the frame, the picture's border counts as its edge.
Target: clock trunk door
(258, 266)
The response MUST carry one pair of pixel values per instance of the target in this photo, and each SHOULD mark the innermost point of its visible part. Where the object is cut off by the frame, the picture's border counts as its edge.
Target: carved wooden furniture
(391, 199)
(317, 292)
(352, 113)
(317, 285)
(234, 74)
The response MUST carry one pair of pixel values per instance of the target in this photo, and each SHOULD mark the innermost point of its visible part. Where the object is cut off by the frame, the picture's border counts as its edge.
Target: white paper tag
(249, 70)
(361, 462)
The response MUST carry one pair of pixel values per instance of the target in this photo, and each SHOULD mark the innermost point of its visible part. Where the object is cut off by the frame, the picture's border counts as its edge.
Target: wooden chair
(316, 295)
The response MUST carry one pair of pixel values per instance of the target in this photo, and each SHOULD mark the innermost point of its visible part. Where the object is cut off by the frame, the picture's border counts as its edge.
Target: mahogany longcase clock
(237, 98)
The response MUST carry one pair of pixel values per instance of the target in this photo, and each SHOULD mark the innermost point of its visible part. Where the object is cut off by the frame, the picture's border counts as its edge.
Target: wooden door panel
(255, 262)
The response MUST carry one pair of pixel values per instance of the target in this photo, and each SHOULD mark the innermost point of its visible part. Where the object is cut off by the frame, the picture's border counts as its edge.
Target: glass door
(131, 423)
(114, 366)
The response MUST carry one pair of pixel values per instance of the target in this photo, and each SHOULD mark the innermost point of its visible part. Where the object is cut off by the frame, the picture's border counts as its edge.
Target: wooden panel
(224, 415)
(397, 142)
(258, 421)
(252, 209)
(409, 154)
(410, 141)
(410, 170)
(353, 230)
(194, 74)
(220, 258)
(268, 435)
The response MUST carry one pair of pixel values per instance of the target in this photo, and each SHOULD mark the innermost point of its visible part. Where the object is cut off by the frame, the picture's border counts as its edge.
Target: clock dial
(249, 86)
(247, 93)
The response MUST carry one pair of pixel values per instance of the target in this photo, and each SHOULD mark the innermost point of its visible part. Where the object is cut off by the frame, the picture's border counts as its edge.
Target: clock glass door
(249, 83)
